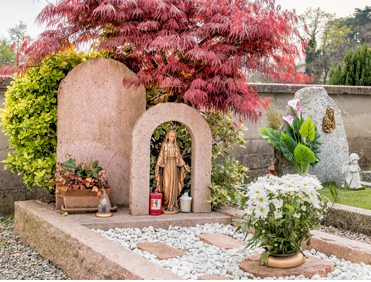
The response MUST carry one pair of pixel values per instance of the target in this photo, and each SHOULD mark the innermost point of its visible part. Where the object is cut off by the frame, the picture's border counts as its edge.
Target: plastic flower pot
(82, 198)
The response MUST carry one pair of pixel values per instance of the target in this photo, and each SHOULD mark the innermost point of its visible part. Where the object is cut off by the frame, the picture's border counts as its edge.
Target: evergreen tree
(356, 69)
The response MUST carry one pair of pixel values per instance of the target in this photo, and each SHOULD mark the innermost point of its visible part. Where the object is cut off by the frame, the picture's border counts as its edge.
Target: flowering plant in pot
(80, 180)
(282, 211)
(300, 144)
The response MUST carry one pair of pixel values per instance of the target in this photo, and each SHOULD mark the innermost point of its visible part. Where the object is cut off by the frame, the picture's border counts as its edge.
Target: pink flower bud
(289, 119)
(293, 103)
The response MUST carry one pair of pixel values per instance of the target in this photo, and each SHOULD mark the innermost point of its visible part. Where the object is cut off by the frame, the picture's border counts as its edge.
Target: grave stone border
(140, 155)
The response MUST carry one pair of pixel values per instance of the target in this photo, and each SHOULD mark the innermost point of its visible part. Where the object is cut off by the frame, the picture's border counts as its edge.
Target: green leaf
(233, 197)
(223, 197)
(287, 146)
(64, 213)
(263, 133)
(89, 172)
(274, 137)
(303, 155)
(316, 148)
(243, 201)
(264, 258)
(78, 172)
(245, 179)
(290, 132)
(93, 164)
(291, 208)
(69, 164)
(307, 129)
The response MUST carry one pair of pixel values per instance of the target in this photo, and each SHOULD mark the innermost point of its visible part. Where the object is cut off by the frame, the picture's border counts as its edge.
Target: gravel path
(346, 234)
(18, 261)
(204, 259)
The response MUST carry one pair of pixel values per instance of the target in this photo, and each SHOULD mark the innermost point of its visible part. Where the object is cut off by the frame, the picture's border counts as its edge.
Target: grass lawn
(359, 199)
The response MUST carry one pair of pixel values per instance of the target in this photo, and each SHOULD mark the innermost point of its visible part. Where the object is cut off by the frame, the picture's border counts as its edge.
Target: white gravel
(205, 259)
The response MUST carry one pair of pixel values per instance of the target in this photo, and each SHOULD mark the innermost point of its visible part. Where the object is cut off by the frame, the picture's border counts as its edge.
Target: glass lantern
(104, 207)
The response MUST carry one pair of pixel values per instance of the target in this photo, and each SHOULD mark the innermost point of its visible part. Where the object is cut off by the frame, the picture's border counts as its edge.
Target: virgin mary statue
(170, 173)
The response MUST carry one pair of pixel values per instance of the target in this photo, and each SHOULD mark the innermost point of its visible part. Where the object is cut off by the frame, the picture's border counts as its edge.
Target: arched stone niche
(140, 155)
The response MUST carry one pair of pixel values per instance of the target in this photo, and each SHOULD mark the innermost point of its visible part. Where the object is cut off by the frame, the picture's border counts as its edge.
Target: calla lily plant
(301, 144)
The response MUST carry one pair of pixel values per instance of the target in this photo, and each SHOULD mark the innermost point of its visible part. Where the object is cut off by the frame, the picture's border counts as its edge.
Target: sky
(12, 11)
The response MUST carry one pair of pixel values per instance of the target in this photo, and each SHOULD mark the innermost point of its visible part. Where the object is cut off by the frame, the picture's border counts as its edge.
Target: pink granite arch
(140, 155)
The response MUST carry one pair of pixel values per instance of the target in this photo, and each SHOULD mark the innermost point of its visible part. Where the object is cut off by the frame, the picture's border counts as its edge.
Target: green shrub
(356, 69)
(30, 116)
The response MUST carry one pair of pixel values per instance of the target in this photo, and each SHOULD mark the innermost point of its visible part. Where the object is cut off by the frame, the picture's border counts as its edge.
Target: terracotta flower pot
(271, 170)
(286, 260)
(82, 198)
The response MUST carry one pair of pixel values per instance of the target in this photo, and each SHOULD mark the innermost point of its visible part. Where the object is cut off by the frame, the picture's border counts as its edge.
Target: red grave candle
(155, 203)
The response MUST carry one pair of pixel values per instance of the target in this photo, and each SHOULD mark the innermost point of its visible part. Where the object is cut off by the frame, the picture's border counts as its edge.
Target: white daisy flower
(261, 212)
(303, 208)
(296, 215)
(277, 214)
(257, 192)
(249, 210)
(262, 201)
(277, 203)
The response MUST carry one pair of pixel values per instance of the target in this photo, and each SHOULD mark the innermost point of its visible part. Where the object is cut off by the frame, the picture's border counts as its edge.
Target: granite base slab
(122, 219)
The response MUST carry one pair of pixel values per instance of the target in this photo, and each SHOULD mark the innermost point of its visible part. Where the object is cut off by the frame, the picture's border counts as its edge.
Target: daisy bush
(282, 211)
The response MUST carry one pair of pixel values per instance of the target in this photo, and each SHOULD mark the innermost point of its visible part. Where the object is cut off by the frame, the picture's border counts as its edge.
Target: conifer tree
(356, 69)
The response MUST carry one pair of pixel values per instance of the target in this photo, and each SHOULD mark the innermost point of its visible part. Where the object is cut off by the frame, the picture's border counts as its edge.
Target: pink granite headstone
(96, 116)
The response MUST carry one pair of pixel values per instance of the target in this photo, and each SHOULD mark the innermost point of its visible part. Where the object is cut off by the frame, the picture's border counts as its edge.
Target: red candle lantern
(155, 203)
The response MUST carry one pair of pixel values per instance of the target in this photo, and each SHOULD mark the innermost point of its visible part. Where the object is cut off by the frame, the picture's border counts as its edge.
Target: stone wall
(354, 103)
(11, 186)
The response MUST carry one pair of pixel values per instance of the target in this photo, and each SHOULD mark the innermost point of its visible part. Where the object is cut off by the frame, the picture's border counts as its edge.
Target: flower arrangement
(70, 175)
(282, 211)
(301, 144)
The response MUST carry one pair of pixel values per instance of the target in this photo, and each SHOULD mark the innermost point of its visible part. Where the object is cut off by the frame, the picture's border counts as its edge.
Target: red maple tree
(193, 51)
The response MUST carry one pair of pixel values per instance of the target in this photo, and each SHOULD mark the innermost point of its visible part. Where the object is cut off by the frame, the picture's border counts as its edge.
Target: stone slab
(334, 149)
(96, 115)
(366, 184)
(366, 176)
(221, 241)
(140, 154)
(311, 267)
(350, 218)
(82, 253)
(160, 250)
(213, 277)
(340, 247)
(123, 219)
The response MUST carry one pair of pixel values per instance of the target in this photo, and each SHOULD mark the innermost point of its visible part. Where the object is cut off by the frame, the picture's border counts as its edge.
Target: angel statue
(352, 170)
(170, 172)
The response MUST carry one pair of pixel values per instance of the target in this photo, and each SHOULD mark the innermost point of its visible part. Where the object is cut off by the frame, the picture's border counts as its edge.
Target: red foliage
(195, 50)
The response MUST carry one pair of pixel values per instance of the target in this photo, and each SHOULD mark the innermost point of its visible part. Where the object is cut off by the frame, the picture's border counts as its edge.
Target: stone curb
(79, 251)
(292, 88)
(350, 218)
(328, 244)
(340, 247)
